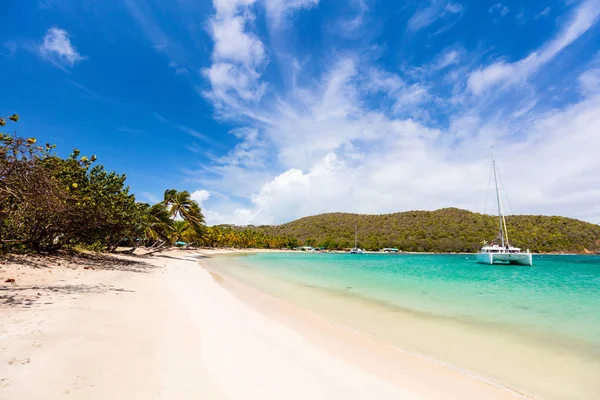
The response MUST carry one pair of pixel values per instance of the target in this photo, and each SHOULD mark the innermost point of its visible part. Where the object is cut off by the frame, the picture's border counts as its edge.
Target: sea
(532, 330)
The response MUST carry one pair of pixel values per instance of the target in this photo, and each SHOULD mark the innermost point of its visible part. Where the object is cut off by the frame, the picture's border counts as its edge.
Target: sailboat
(355, 249)
(500, 250)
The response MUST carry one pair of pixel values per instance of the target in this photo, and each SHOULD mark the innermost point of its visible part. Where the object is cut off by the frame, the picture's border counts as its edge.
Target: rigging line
(488, 190)
(505, 193)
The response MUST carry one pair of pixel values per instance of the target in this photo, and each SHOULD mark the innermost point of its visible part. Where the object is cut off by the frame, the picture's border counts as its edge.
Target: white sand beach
(165, 328)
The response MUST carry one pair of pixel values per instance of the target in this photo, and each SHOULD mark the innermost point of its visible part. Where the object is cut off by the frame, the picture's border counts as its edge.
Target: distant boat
(355, 249)
(500, 249)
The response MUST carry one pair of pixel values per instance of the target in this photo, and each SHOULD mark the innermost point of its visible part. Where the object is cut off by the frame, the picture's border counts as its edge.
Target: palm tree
(160, 224)
(181, 205)
(183, 232)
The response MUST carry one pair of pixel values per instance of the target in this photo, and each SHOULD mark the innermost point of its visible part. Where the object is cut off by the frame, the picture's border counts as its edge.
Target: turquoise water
(558, 297)
(535, 329)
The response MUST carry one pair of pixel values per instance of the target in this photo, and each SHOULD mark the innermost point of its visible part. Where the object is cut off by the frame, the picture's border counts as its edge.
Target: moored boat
(355, 249)
(500, 250)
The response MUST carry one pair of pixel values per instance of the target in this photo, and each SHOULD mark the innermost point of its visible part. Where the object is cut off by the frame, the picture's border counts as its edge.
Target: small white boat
(500, 250)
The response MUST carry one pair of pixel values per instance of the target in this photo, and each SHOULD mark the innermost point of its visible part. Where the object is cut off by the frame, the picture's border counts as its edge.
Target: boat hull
(504, 258)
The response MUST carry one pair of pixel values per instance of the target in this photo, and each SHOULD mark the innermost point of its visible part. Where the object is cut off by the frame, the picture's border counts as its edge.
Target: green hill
(445, 230)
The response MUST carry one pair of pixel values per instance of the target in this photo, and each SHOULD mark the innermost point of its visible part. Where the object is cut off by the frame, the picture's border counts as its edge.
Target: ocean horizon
(534, 329)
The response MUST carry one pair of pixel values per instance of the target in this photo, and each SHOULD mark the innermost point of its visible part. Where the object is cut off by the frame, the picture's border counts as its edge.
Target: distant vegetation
(48, 203)
(445, 230)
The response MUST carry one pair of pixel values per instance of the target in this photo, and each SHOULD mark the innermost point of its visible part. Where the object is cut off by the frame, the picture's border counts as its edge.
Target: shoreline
(163, 327)
(166, 326)
(519, 360)
(300, 318)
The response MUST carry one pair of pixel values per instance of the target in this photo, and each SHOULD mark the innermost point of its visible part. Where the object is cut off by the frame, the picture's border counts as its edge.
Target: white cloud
(378, 80)
(415, 94)
(492, 75)
(324, 145)
(231, 82)
(57, 48)
(434, 11)
(404, 167)
(238, 58)
(234, 43)
(200, 196)
(502, 72)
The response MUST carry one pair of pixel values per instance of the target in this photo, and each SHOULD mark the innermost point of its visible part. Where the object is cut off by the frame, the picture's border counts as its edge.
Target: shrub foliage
(49, 203)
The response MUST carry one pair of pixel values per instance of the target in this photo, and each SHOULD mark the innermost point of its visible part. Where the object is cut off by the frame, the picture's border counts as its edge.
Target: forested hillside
(445, 230)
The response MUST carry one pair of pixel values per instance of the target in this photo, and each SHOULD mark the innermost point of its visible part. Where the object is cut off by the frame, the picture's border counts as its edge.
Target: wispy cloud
(9, 48)
(446, 59)
(279, 9)
(205, 138)
(306, 147)
(545, 12)
(56, 47)
(160, 117)
(435, 10)
(130, 130)
(499, 8)
(178, 69)
(162, 41)
(520, 17)
(90, 94)
(152, 198)
(589, 81)
(501, 73)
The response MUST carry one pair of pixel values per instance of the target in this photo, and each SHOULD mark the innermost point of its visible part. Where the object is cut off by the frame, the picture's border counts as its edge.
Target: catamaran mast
(498, 197)
(355, 235)
(500, 215)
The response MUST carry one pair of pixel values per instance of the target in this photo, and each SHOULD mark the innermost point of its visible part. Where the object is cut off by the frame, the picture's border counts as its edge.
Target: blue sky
(270, 110)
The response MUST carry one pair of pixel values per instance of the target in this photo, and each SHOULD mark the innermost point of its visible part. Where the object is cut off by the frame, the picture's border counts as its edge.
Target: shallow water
(536, 329)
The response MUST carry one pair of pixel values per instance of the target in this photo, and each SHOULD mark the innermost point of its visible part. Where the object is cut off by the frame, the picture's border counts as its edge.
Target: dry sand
(164, 328)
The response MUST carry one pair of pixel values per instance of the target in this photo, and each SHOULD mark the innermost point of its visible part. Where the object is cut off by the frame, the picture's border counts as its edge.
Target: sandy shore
(165, 328)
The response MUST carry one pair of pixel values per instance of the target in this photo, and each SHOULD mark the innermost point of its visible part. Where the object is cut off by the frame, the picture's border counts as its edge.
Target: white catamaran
(500, 249)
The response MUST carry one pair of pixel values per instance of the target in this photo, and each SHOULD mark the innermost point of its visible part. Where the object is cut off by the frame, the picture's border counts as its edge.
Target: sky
(271, 110)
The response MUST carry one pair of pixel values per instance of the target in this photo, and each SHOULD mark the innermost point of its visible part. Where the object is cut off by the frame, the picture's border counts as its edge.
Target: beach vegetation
(48, 203)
